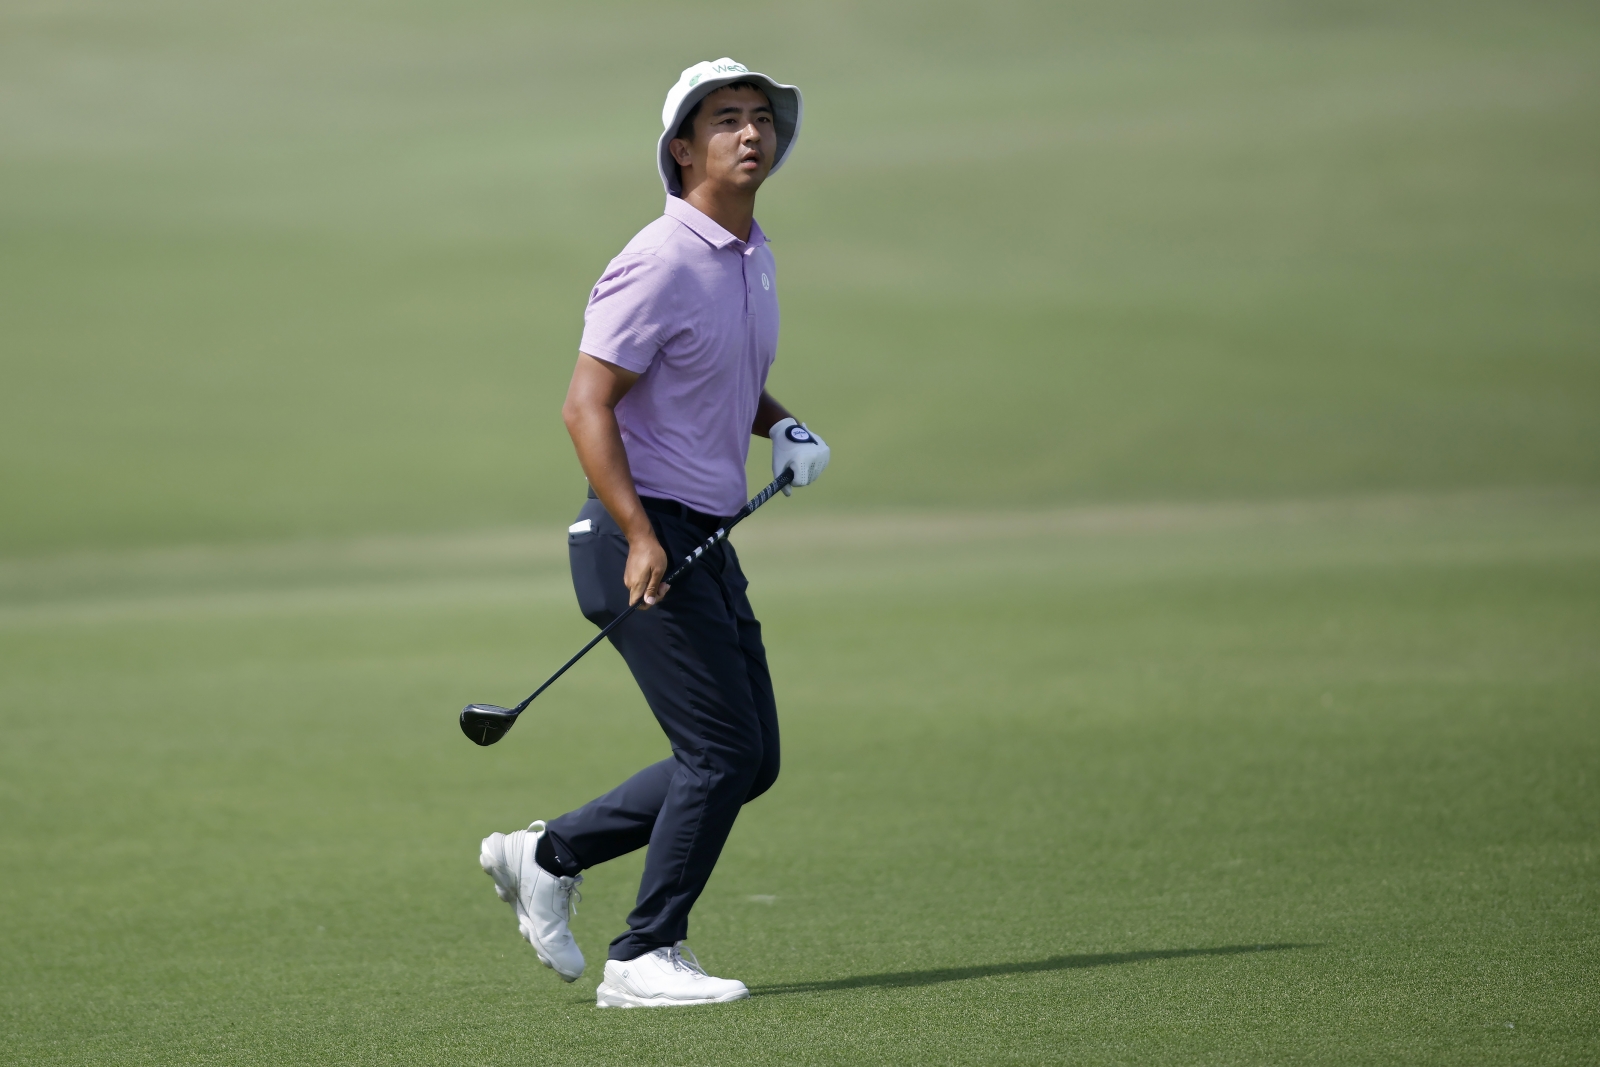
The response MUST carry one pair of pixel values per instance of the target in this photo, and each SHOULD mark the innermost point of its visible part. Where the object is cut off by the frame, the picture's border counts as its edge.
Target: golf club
(484, 724)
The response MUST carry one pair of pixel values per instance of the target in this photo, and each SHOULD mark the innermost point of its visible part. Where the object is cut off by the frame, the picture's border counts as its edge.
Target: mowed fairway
(1191, 656)
(1211, 784)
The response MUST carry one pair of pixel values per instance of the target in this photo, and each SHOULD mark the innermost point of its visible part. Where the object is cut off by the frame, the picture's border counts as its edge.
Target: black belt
(705, 521)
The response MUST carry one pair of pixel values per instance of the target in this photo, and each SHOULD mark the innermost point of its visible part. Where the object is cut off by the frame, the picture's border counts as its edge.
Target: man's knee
(766, 773)
(743, 770)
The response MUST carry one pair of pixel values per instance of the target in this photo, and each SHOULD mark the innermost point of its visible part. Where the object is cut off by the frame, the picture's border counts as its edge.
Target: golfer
(678, 338)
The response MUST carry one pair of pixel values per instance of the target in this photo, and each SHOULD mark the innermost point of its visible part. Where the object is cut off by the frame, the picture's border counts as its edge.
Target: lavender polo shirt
(693, 310)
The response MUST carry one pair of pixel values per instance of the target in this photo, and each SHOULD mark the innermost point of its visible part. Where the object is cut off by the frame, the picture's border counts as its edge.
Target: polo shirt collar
(708, 229)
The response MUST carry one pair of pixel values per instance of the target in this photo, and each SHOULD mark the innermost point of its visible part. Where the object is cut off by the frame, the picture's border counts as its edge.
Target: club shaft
(683, 568)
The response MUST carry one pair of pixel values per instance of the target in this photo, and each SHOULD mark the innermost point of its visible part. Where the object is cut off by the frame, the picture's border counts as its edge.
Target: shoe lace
(569, 886)
(683, 959)
(566, 886)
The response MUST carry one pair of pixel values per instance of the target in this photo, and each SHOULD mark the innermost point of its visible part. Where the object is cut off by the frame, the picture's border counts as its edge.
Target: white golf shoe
(667, 977)
(543, 902)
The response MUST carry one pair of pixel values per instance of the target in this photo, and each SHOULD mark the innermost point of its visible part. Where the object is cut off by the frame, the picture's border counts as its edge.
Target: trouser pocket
(597, 553)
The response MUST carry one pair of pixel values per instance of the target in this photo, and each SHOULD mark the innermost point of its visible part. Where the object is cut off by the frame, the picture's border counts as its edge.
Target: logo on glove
(799, 435)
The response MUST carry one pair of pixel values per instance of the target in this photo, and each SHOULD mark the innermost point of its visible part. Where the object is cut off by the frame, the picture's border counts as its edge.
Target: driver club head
(484, 724)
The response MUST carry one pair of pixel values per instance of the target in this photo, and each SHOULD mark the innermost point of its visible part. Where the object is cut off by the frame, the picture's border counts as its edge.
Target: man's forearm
(605, 463)
(591, 419)
(768, 413)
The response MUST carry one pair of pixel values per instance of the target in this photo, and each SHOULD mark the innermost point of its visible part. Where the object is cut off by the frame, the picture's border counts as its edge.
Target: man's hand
(647, 565)
(796, 448)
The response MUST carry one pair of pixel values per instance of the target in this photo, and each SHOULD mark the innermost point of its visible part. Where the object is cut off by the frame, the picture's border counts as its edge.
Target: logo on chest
(766, 282)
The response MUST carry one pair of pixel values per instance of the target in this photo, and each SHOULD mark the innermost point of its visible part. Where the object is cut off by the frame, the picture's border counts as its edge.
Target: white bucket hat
(693, 86)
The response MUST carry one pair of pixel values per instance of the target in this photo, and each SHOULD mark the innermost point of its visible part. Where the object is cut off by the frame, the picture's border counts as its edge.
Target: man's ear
(680, 151)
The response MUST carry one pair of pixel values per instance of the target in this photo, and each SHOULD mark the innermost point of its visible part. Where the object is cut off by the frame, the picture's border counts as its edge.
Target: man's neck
(732, 209)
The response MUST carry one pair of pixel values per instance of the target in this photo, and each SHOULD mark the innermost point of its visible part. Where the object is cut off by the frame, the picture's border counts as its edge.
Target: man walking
(678, 338)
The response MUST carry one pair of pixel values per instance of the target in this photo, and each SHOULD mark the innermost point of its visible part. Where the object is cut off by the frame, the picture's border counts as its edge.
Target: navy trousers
(698, 657)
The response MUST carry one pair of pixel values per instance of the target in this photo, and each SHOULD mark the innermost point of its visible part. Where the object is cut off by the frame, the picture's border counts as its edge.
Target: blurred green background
(1190, 656)
(313, 268)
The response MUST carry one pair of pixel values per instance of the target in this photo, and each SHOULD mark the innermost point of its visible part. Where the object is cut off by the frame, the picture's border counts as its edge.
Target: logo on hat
(719, 68)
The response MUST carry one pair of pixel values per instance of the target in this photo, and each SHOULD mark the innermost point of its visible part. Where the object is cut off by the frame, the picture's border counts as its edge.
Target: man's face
(734, 143)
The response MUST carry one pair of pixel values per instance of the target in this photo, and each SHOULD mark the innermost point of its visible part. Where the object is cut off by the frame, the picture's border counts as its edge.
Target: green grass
(1190, 656)
(1279, 783)
(319, 269)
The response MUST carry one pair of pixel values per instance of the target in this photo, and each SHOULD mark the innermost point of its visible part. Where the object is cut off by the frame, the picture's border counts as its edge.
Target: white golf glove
(798, 449)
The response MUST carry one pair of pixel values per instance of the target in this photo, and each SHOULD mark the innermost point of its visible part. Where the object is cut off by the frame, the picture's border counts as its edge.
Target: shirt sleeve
(631, 312)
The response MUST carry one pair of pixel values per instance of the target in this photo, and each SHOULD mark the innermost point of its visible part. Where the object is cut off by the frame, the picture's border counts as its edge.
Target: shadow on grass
(903, 979)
